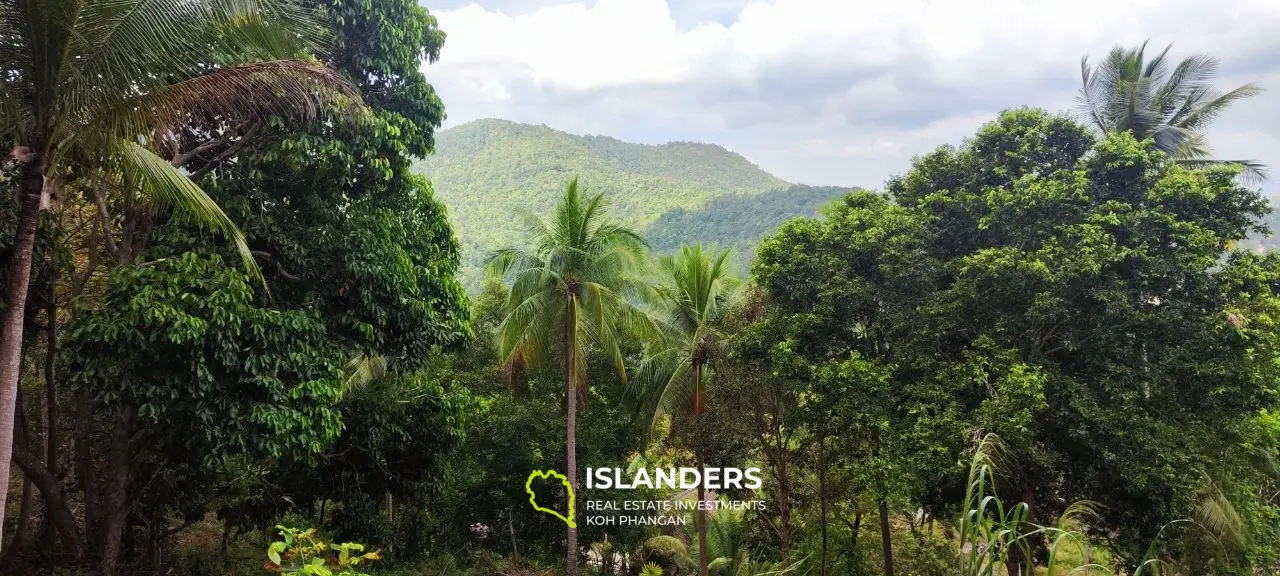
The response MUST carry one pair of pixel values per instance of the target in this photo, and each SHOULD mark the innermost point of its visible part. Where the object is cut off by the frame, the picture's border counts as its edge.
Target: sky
(830, 92)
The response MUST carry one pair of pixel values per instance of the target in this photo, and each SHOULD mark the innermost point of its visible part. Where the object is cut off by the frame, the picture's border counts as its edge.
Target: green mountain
(489, 171)
(738, 221)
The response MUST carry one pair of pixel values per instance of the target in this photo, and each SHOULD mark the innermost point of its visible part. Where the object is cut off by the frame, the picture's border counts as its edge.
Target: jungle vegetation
(238, 337)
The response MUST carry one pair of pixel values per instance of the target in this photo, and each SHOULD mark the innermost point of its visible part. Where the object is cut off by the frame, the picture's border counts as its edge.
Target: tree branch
(231, 150)
(105, 220)
(180, 160)
(269, 257)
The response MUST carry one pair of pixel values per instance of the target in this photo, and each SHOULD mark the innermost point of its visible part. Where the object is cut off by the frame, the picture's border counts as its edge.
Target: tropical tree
(1154, 98)
(695, 287)
(92, 88)
(575, 287)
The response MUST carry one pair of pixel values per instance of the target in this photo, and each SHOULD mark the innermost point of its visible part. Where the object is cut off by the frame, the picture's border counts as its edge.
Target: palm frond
(1130, 92)
(362, 369)
(573, 286)
(1252, 172)
(1219, 517)
(1197, 113)
(295, 89)
(168, 188)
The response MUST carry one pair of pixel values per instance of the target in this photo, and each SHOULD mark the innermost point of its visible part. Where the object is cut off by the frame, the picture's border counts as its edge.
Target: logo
(533, 499)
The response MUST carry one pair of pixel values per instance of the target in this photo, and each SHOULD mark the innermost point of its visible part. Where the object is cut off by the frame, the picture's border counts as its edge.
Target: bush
(304, 552)
(668, 552)
(924, 555)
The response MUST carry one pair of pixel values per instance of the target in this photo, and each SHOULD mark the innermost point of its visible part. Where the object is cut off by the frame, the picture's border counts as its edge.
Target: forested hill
(487, 171)
(738, 222)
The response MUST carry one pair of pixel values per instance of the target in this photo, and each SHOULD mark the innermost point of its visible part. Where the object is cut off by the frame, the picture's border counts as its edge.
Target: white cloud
(834, 91)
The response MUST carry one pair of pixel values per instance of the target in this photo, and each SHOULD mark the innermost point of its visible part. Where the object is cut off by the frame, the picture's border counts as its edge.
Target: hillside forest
(253, 325)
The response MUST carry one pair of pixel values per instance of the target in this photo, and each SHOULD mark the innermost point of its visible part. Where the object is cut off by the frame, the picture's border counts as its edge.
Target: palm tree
(697, 287)
(89, 89)
(575, 287)
(1172, 106)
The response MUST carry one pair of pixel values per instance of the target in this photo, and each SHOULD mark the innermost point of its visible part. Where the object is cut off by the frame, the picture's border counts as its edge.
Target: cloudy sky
(829, 91)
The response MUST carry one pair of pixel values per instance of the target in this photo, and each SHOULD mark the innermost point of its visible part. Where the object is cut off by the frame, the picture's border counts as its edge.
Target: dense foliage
(1044, 347)
(1061, 293)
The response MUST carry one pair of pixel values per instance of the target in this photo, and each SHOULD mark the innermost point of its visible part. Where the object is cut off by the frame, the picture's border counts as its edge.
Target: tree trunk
(391, 521)
(886, 542)
(30, 192)
(115, 498)
(54, 500)
(50, 381)
(854, 527)
(511, 525)
(19, 541)
(571, 429)
(52, 442)
(701, 513)
(822, 497)
(226, 538)
(85, 469)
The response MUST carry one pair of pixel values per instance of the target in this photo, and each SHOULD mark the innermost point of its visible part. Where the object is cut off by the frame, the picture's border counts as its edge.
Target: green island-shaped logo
(528, 487)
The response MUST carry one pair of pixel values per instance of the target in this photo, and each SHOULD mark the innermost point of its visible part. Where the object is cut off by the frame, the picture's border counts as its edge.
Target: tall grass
(992, 535)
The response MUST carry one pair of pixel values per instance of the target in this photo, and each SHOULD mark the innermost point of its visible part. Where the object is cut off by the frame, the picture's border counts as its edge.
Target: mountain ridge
(488, 170)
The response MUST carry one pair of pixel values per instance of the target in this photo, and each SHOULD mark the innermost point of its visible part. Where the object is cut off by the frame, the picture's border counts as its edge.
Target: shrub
(668, 552)
(304, 552)
(720, 567)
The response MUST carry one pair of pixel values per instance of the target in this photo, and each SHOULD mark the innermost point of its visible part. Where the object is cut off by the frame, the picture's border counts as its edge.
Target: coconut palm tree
(1154, 98)
(575, 288)
(696, 287)
(91, 89)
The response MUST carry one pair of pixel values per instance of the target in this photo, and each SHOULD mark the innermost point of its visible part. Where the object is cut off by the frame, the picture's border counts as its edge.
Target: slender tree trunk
(886, 543)
(391, 517)
(822, 497)
(226, 538)
(854, 527)
(50, 381)
(701, 513)
(19, 540)
(85, 469)
(30, 193)
(55, 501)
(571, 428)
(511, 526)
(52, 442)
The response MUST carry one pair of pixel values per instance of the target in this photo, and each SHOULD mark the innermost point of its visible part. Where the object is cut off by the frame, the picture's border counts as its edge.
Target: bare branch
(180, 160)
(227, 154)
(105, 219)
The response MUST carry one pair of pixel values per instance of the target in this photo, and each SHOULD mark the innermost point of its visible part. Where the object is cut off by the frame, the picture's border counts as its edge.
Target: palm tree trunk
(886, 541)
(571, 428)
(30, 193)
(703, 561)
